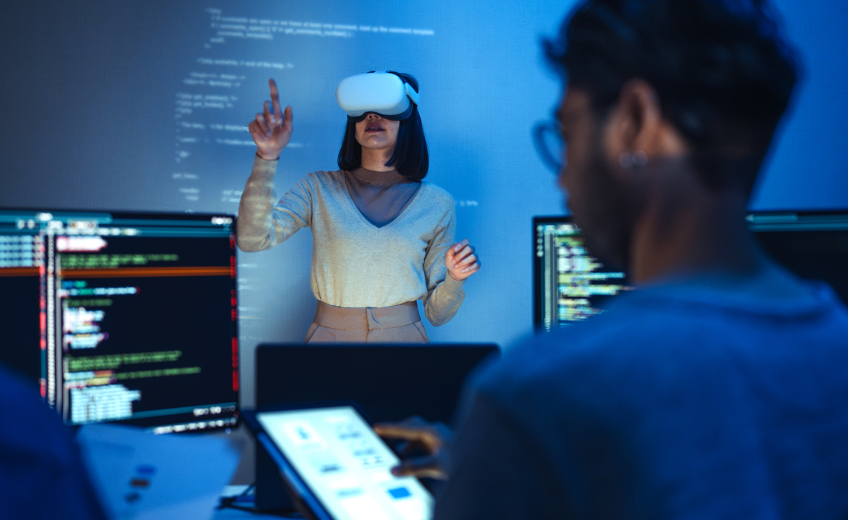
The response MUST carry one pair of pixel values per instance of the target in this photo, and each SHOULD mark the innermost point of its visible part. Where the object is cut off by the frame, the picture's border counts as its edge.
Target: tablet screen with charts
(337, 464)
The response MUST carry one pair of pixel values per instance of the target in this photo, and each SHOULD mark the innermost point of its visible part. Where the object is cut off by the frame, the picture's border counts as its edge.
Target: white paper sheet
(142, 476)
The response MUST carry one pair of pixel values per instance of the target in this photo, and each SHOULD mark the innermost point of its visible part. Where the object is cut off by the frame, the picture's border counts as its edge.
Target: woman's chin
(377, 144)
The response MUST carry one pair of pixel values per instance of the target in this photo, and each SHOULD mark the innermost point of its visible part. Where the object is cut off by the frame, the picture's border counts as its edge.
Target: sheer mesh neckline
(380, 197)
(375, 177)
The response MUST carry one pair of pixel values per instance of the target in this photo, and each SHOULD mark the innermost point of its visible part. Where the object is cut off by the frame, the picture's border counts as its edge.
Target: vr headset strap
(411, 93)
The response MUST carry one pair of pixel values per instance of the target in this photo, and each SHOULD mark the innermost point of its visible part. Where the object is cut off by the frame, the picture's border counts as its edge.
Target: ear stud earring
(637, 159)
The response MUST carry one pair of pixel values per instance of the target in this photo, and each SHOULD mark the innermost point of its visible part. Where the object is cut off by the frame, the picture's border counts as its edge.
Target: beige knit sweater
(354, 263)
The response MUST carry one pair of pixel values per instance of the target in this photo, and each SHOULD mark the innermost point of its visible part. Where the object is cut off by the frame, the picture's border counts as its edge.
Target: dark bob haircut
(721, 68)
(410, 157)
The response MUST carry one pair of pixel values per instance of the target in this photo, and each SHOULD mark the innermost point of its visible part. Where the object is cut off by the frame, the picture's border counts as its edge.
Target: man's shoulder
(37, 448)
(569, 357)
(41, 435)
(19, 392)
(654, 341)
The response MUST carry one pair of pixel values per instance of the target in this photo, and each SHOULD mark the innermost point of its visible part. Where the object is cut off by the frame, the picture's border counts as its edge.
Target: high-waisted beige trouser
(395, 324)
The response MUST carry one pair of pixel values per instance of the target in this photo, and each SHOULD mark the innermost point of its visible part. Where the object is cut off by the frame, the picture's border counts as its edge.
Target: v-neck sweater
(354, 262)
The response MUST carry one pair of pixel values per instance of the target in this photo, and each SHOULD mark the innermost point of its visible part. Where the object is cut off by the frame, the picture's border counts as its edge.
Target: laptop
(389, 382)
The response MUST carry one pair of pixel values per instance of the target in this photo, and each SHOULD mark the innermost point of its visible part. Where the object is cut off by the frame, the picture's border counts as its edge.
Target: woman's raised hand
(461, 260)
(272, 129)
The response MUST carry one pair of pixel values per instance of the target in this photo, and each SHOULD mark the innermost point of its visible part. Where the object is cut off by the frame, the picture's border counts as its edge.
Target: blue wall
(96, 98)
(807, 169)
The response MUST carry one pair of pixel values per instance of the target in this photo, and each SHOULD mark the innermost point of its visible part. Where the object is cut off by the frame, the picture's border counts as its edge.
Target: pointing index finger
(275, 100)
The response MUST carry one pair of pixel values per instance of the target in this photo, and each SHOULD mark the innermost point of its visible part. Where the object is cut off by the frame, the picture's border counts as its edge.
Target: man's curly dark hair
(722, 69)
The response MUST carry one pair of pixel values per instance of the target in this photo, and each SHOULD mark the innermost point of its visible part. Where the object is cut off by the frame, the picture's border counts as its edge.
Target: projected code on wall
(209, 110)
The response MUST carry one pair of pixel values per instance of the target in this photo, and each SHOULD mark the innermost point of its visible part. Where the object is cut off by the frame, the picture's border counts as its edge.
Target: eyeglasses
(549, 144)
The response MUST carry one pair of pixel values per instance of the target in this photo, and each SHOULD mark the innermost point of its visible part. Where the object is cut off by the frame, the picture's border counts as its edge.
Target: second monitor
(571, 285)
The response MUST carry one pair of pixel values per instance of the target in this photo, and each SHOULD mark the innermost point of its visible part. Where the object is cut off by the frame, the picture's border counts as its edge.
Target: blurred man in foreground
(42, 475)
(716, 390)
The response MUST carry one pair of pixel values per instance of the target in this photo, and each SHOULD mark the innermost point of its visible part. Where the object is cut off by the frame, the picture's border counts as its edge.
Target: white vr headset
(383, 93)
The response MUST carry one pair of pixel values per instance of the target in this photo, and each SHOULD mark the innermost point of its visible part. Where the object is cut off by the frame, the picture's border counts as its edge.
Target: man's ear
(634, 122)
(636, 127)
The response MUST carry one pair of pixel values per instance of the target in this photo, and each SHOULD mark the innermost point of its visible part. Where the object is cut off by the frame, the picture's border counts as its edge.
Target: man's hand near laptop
(418, 435)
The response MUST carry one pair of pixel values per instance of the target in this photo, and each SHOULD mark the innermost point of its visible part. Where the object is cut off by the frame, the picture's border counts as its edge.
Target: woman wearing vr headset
(382, 238)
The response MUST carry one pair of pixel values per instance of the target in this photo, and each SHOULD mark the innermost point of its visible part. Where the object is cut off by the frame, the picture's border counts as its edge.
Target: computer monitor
(569, 284)
(123, 317)
(811, 244)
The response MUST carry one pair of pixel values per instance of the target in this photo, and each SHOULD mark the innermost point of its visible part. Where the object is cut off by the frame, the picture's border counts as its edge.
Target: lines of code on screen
(126, 318)
(571, 284)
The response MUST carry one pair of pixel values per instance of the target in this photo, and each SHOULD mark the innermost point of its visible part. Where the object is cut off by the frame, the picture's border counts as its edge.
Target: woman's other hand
(419, 435)
(272, 129)
(461, 260)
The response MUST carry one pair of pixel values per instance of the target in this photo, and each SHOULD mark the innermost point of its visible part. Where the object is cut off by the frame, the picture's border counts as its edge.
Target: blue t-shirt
(680, 402)
(41, 471)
